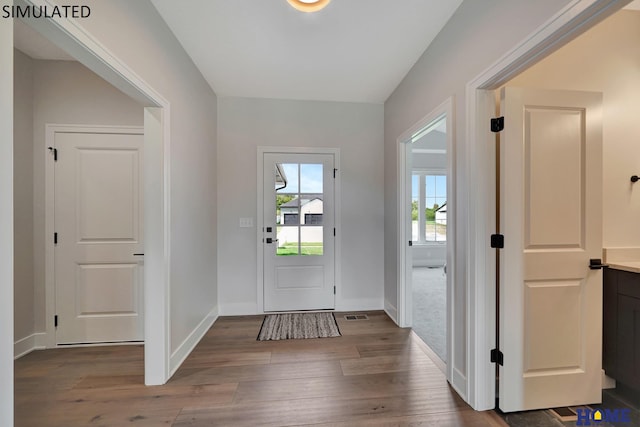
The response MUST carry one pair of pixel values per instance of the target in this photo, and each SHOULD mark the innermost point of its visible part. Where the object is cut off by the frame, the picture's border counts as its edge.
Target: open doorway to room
(426, 207)
(59, 84)
(429, 235)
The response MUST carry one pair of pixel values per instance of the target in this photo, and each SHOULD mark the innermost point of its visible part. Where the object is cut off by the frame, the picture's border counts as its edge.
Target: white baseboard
(187, 346)
(459, 383)
(238, 309)
(391, 311)
(28, 344)
(364, 304)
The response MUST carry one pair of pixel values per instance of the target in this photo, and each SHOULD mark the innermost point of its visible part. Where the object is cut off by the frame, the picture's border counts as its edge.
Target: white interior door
(98, 223)
(298, 235)
(551, 218)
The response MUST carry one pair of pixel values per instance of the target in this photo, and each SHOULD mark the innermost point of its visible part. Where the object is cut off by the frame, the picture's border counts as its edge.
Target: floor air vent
(356, 317)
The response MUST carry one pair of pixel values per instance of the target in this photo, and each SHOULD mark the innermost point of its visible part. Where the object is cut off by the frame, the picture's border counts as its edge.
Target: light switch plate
(246, 222)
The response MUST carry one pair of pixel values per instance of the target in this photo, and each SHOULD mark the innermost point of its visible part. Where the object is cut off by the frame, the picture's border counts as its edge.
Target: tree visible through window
(429, 207)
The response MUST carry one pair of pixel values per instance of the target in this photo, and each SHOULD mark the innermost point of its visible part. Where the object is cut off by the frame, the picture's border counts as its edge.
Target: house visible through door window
(299, 209)
(428, 207)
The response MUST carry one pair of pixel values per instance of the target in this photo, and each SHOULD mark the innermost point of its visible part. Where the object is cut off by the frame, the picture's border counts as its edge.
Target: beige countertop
(630, 266)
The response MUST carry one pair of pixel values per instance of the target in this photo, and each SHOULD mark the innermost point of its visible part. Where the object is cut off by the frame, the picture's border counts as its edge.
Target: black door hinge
(497, 357)
(410, 243)
(55, 238)
(497, 124)
(334, 172)
(55, 153)
(55, 320)
(497, 241)
(334, 290)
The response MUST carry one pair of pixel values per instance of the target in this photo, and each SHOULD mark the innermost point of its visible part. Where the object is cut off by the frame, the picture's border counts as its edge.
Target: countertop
(630, 266)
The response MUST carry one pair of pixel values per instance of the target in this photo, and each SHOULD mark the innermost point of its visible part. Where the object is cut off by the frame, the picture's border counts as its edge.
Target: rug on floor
(298, 325)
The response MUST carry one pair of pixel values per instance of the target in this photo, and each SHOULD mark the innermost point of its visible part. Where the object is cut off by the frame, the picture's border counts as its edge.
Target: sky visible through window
(310, 175)
(436, 189)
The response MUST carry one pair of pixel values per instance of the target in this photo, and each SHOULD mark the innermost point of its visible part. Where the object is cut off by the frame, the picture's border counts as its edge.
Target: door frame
(479, 155)
(49, 222)
(72, 38)
(405, 261)
(261, 151)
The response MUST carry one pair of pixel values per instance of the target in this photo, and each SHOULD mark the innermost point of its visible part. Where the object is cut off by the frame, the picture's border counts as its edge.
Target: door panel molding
(261, 151)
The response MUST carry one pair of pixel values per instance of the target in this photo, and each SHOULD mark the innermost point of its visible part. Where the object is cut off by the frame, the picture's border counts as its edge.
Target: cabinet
(621, 326)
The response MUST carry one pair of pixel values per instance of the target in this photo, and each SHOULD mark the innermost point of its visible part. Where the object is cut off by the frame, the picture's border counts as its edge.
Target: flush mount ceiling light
(309, 5)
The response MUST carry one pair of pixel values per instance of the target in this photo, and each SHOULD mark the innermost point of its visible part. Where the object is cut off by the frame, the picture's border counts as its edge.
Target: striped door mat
(298, 325)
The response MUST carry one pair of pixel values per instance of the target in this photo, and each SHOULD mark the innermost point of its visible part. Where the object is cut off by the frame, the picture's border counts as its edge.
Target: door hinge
(497, 124)
(497, 241)
(334, 232)
(497, 357)
(55, 238)
(55, 153)
(334, 290)
(55, 320)
(334, 172)
(410, 242)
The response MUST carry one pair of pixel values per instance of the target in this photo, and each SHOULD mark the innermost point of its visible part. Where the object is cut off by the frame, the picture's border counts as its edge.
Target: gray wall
(356, 129)
(6, 220)
(136, 34)
(23, 285)
(477, 35)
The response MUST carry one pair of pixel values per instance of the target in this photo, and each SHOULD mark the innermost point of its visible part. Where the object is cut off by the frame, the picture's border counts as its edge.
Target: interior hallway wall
(136, 34)
(476, 36)
(23, 284)
(356, 129)
(606, 59)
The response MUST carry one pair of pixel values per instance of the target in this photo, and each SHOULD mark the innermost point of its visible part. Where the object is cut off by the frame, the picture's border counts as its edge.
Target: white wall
(356, 129)
(136, 34)
(606, 59)
(24, 322)
(477, 35)
(6, 220)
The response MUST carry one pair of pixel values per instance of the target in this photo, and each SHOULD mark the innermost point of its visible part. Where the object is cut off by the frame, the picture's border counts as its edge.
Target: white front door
(298, 235)
(551, 218)
(98, 224)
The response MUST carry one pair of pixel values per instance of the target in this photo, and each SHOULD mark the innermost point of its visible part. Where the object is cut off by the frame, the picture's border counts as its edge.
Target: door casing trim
(260, 220)
(479, 190)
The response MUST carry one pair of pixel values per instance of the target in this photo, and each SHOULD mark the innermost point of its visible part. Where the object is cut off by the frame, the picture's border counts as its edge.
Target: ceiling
(353, 50)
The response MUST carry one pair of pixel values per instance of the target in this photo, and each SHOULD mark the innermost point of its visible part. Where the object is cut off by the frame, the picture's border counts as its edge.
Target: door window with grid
(428, 207)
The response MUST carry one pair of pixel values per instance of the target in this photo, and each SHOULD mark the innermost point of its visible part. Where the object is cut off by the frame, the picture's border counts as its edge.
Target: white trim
(184, 350)
(49, 223)
(26, 345)
(405, 263)
(363, 304)
(95, 56)
(572, 20)
(391, 311)
(261, 151)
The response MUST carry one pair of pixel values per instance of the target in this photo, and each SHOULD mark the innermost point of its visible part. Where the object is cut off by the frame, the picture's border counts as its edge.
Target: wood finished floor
(376, 374)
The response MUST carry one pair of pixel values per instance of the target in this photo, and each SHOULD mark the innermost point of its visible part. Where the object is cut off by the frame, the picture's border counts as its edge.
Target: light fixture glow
(309, 5)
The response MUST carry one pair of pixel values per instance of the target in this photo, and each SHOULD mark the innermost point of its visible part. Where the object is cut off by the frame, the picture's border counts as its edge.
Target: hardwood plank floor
(376, 374)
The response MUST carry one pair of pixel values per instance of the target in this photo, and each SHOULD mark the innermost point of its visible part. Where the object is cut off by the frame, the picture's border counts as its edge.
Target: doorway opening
(426, 210)
(81, 47)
